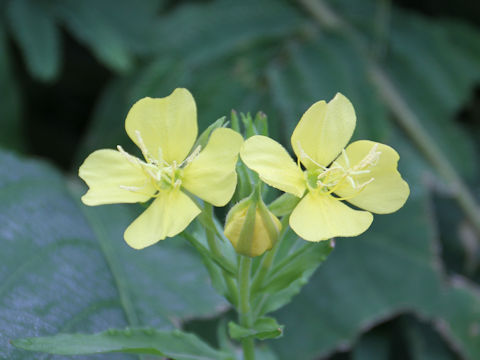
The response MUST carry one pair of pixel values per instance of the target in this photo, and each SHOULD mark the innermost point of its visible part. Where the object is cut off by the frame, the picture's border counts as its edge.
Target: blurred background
(407, 289)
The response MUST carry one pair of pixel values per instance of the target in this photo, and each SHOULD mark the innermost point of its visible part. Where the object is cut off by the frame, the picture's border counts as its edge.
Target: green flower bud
(251, 227)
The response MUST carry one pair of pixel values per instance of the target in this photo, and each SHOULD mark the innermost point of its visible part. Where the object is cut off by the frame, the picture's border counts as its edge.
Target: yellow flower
(165, 130)
(251, 227)
(364, 174)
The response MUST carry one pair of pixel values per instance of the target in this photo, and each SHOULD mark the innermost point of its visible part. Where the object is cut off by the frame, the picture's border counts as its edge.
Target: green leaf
(10, 102)
(114, 30)
(264, 328)
(205, 135)
(434, 65)
(289, 275)
(66, 268)
(174, 344)
(220, 28)
(222, 262)
(33, 26)
(284, 204)
(435, 76)
(424, 343)
(316, 70)
(390, 269)
(374, 345)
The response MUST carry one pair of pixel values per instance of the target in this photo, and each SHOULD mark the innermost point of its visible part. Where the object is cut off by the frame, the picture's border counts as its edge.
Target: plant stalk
(244, 310)
(212, 244)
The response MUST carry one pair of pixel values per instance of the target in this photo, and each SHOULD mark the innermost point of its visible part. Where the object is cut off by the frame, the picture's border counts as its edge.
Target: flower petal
(323, 131)
(211, 175)
(273, 164)
(168, 123)
(321, 217)
(168, 215)
(112, 179)
(387, 192)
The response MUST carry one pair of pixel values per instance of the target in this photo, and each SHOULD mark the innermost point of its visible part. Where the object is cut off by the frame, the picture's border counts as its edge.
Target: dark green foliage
(66, 268)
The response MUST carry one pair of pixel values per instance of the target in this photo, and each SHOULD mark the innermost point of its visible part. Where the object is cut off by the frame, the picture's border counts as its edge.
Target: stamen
(144, 149)
(136, 189)
(192, 156)
(347, 160)
(130, 188)
(367, 182)
(130, 158)
(351, 181)
(304, 155)
(370, 159)
(359, 172)
(177, 184)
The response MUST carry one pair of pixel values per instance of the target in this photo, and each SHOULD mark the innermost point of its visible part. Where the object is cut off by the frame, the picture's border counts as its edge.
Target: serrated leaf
(264, 328)
(67, 270)
(173, 344)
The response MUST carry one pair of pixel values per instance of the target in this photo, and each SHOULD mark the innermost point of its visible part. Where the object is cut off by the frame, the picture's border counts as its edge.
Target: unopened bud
(251, 227)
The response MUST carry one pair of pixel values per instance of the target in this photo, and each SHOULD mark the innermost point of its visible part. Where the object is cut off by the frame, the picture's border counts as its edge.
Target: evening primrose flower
(165, 130)
(364, 174)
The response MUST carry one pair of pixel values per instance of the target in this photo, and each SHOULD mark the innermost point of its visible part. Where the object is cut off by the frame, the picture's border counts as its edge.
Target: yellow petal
(211, 175)
(321, 217)
(112, 179)
(273, 164)
(323, 131)
(387, 192)
(167, 216)
(167, 126)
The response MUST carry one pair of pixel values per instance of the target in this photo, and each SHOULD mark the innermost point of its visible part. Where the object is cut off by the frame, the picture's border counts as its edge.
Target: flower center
(159, 172)
(326, 180)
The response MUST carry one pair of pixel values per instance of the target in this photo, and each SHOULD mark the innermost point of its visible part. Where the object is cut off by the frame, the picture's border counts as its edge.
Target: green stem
(244, 311)
(220, 261)
(212, 244)
(406, 118)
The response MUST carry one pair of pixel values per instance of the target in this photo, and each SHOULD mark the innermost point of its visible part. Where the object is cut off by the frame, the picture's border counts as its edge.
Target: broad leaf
(392, 268)
(66, 268)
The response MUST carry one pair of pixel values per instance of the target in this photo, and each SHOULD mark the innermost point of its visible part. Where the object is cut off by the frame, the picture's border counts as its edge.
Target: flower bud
(251, 227)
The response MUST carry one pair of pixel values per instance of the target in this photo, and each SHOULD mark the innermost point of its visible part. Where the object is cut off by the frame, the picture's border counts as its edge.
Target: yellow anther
(371, 159)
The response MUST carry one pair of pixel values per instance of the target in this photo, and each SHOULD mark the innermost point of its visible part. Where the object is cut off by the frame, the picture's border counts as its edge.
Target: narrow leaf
(173, 344)
(264, 328)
